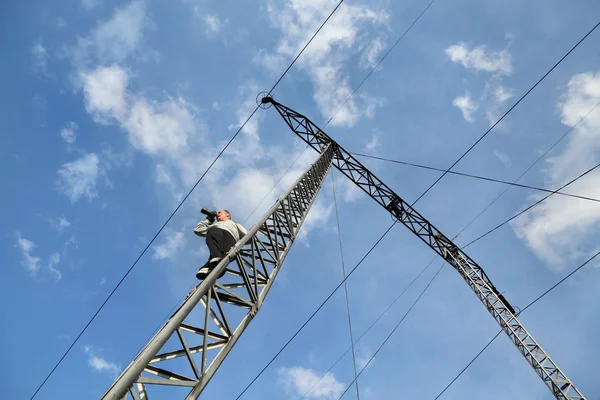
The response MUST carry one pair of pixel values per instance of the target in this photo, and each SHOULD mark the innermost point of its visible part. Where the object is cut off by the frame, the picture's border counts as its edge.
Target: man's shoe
(206, 269)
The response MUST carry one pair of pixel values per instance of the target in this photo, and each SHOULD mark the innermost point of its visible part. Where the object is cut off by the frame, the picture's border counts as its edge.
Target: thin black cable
(381, 60)
(395, 328)
(531, 206)
(180, 204)
(368, 329)
(476, 177)
(468, 365)
(337, 216)
(316, 311)
(276, 183)
(140, 256)
(506, 113)
(526, 307)
(169, 314)
(530, 167)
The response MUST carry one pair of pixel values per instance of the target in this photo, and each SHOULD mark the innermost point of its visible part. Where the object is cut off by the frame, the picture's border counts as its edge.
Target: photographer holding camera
(221, 236)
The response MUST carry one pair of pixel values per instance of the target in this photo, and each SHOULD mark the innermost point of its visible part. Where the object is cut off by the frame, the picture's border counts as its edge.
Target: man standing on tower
(221, 236)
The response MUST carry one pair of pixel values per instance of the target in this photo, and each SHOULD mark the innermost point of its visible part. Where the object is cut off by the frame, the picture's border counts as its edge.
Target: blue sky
(112, 110)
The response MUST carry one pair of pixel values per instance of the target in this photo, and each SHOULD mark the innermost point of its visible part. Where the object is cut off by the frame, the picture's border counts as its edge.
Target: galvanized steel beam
(504, 314)
(202, 346)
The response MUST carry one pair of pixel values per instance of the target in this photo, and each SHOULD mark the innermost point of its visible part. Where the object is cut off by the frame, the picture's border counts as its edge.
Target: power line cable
(180, 204)
(368, 329)
(194, 284)
(276, 183)
(524, 309)
(533, 205)
(381, 60)
(475, 176)
(316, 311)
(395, 328)
(543, 155)
(337, 216)
(327, 123)
(456, 236)
(506, 113)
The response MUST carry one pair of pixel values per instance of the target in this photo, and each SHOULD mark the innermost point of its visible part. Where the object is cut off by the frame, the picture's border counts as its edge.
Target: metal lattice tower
(504, 314)
(202, 347)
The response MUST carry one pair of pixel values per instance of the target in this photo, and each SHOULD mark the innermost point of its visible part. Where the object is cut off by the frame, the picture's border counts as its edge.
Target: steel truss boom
(202, 344)
(504, 314)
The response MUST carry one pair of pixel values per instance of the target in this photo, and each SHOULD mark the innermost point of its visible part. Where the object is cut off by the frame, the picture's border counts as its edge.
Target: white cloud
(298, 380)
(99, 364)
(159, 126)
(104, 89)
(60, 224)
(317, 217)
(152, 126)
(78, 178)
(503, 157)
(466, 105)
(68, 133)
(212, 23)
(324, 60)
(495, 97)
(54, 260)
(29, 261)
(113, 40)
(370, 56)
(174, 241)
(480, 59)
(373, 143)
(39, 56)
(563, 229)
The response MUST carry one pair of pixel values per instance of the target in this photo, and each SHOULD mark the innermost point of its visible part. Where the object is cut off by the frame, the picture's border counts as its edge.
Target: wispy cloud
(100, 364)
(373, 143)
(173, 242)
(563, 229)
(112, 40)
(59, 224)
(480, 59)
(40, 57)
(503, 157)
(54, 260)
(212, 23)
(78, 178)
(466, 105)
(29, 261)
(324, 60)
(298, 380)
(69, 132)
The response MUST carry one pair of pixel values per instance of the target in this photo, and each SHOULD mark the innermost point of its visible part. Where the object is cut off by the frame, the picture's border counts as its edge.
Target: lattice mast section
(558, 383)
(224, 308)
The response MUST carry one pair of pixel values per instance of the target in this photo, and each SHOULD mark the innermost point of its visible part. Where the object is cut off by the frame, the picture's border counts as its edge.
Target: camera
(209, 213)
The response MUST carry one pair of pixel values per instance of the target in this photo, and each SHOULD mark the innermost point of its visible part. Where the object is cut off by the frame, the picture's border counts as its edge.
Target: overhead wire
(476, 177)
(542, 156)
(316, 311)
(381, 60)
(384, 234)
(506, 113)
(368, 329)
(523, 310)
(181, 203)
(395, 328)
(337, 217)
(532, 205)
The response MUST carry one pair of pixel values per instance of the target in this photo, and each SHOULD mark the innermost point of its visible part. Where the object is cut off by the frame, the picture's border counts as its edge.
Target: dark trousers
(219, 242)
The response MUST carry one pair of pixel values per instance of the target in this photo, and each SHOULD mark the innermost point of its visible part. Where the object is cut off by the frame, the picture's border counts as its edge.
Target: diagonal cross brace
(233, 302)
(504, 314)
